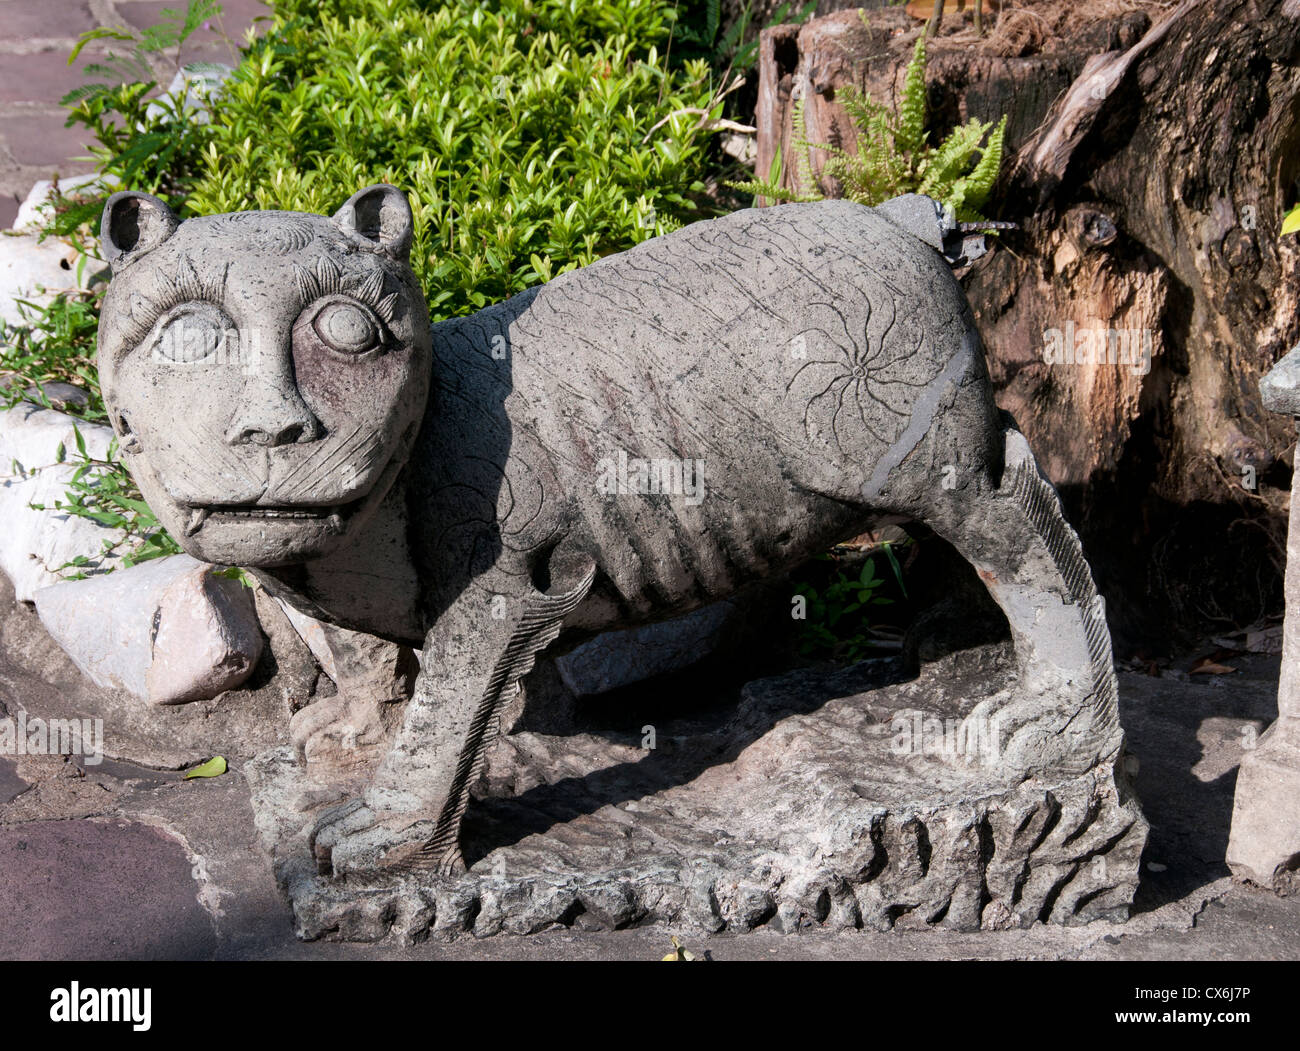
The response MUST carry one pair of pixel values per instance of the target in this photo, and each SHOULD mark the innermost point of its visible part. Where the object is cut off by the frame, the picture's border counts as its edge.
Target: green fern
(911, 110)
(944, 166)
(803, 161)
(985, 173)
(893, 155)
(770, 189)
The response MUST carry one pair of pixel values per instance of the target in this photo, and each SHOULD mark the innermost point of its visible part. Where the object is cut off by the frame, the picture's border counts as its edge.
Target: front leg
(485, 642)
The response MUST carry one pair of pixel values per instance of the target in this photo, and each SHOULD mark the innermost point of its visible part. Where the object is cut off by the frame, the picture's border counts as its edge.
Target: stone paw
(354, 839)
(338, 732)
(307, 724)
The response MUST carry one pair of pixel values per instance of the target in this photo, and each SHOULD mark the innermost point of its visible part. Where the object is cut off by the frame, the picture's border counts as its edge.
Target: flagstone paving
(11, 785)
(108, 889)
(117, 861)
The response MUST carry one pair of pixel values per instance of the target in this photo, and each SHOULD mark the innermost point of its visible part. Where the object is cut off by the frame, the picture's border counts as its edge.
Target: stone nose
(272, 418)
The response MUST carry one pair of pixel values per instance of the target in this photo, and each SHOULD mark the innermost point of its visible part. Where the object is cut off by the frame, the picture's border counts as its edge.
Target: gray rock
(1280, 386)
(623, 445)
(1264, 844)
(11, 785)
(35, 670)
(620, 658)
(312, 632)
(60, 396)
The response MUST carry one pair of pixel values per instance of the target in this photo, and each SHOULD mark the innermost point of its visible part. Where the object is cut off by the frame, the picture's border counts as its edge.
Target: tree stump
(1150, 157)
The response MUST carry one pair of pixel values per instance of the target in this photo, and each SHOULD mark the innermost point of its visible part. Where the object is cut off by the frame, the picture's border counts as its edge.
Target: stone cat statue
(626, 443)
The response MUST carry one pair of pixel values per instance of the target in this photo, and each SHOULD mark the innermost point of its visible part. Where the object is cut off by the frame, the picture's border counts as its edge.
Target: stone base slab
(808, 807)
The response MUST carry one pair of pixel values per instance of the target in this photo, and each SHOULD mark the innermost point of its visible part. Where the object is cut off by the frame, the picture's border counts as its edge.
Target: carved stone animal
(626, 443)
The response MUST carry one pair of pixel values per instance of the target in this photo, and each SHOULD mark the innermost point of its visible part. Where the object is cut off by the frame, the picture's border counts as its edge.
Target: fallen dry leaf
(1206, 666)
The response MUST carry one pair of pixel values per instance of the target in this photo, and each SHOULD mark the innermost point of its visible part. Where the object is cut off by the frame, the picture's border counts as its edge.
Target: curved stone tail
(1042, 507)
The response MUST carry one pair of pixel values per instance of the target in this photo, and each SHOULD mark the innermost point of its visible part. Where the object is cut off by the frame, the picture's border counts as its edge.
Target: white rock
(743, 147)
(168, 631)
(34, 212)
(34, 544)
(199, 87)
(33, 271)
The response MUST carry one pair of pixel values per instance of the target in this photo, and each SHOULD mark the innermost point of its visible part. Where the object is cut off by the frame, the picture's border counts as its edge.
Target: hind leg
(1061, 715)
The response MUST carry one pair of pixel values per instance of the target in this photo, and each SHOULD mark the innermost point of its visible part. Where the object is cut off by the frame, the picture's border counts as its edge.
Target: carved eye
(347, 327)
(195, 334)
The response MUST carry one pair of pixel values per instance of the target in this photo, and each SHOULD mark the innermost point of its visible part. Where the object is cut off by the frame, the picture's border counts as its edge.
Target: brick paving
(36, 37)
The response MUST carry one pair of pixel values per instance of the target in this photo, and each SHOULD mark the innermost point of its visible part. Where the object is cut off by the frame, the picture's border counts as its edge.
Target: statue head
(265, 372)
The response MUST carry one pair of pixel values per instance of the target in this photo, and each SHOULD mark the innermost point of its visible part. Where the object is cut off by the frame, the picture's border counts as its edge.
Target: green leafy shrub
(143, 140)
(522, 134)
(730, 47)
(54, 344)
(104, 492)
(894, 155)
(698, 32)
(148, 142)
(837, 625)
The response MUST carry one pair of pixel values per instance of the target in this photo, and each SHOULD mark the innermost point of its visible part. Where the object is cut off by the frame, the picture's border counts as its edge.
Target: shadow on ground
(1189, 735)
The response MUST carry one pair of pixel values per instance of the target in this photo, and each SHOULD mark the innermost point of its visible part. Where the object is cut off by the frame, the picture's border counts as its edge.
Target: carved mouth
(331, 517)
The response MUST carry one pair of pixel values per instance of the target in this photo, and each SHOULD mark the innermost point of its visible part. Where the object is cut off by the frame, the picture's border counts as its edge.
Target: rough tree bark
(1151, 156)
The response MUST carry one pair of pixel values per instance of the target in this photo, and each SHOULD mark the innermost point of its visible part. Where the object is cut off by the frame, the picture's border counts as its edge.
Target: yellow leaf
(214, 767)
(1291, 223)
(679, 952)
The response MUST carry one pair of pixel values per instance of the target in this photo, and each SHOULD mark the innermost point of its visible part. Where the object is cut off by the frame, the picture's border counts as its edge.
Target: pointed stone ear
(134, 223)
(379, 218)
